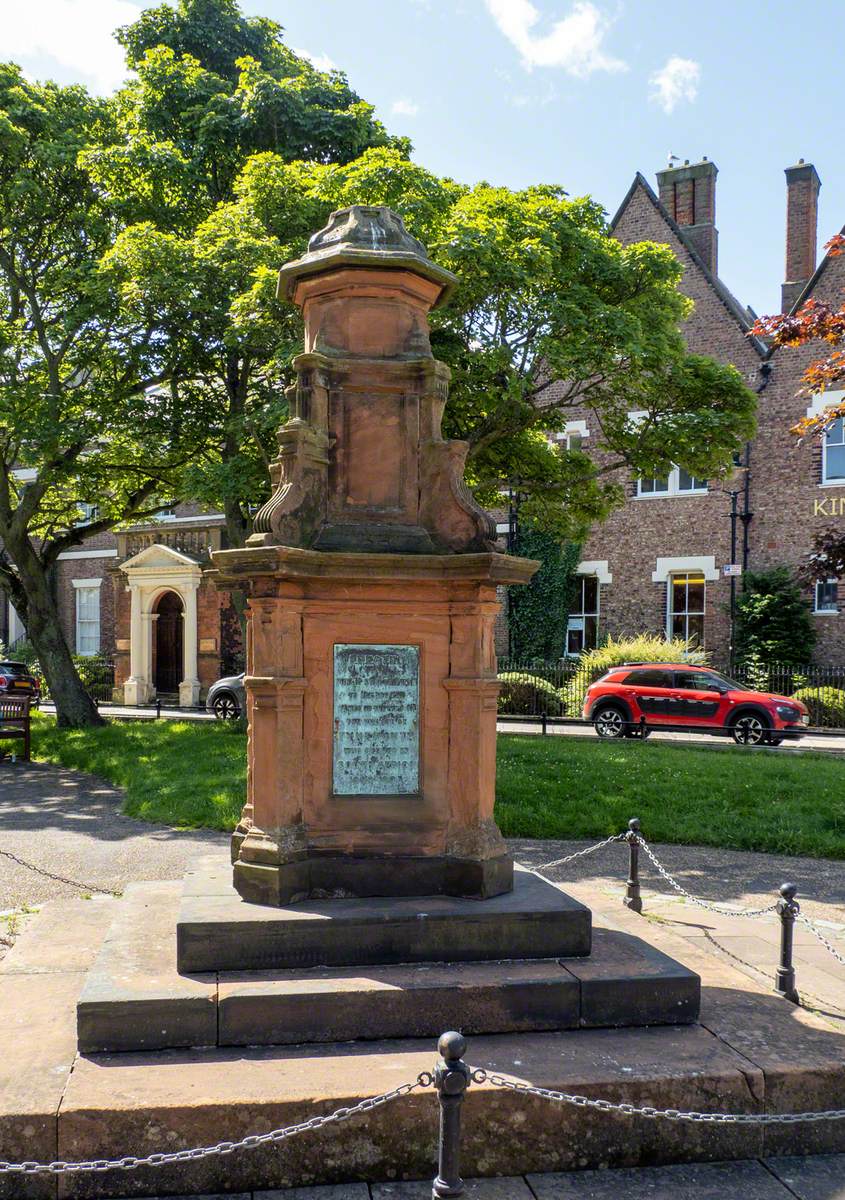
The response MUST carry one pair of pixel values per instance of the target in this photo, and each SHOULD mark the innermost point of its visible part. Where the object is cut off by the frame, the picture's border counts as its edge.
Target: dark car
(631, 700)
(226, 698)
(17, 680)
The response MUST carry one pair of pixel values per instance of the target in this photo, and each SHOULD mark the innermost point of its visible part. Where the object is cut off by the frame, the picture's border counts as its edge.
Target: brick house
(656, 565)
(142, 598)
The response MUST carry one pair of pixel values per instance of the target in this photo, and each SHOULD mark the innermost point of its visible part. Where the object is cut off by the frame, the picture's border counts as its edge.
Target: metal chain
(560, 862)
(479, 1075)
(85, 887)
(717, 908)
(813, 929)
(130, 1162)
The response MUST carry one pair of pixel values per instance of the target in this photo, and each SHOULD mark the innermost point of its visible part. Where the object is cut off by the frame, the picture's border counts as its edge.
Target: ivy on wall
(538, 613)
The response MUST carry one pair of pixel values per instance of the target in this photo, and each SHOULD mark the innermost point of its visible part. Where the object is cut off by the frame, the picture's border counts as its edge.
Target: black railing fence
(534, 688)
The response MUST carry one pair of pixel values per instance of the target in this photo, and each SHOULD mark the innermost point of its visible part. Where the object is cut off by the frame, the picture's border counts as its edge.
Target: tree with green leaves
(773, 620)
(212, 89)
(83, 417)
(538, 614)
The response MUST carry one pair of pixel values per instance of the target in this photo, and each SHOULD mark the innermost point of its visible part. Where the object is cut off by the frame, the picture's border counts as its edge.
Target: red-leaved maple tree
(816, 321)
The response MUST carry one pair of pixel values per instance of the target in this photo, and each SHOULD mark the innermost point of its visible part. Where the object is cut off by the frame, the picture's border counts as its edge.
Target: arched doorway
(168, 643)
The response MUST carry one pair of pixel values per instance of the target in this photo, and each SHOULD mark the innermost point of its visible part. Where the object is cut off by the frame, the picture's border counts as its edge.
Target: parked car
(631, 700)
(17, 680)
(226, 698)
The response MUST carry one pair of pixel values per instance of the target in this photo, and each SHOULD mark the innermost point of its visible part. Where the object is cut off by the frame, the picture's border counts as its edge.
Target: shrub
(525, 694)
(646, 647)
(774, 624)
(826, 705)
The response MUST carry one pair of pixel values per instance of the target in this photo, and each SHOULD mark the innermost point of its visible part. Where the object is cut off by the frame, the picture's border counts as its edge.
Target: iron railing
(536, 688)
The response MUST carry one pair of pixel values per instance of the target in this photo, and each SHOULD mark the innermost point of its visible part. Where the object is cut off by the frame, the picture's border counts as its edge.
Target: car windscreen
(14, 668)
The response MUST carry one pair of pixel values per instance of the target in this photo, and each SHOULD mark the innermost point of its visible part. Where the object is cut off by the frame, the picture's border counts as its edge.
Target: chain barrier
(817, 932)
(130, 1162)
(84, 887)
(561, 862)
(479, 1075)
(717, 908)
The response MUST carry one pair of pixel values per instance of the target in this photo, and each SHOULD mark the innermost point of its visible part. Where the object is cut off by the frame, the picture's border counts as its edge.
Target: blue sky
(578, 93)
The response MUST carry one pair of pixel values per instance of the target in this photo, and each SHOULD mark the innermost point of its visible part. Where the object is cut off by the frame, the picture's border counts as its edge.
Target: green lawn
(191, 775)
(185, 774)
(563, 787)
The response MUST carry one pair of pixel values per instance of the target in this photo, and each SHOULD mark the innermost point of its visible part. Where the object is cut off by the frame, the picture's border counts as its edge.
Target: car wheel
(749, 730)
(611, 722)
(225, 707)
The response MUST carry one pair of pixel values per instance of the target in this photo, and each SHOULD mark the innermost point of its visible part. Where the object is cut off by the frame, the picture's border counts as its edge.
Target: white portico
(163, 632)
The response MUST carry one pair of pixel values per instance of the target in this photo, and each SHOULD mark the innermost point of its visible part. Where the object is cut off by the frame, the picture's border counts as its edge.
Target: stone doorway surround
(153, 571)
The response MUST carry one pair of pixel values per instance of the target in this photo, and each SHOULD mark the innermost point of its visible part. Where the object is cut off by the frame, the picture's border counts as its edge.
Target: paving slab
(695, 1181)
(485, 1189)
(64, 936)
(820, 1177)
(218, 931)
(340, 1191)
(133, 998)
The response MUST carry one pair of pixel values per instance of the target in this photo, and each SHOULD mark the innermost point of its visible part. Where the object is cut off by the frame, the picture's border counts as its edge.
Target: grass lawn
(563, 787)
(191, 774)
(181, 773)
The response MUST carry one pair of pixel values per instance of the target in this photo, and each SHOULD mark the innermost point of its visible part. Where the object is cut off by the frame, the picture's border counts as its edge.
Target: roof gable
(741, 315)
(161, 558)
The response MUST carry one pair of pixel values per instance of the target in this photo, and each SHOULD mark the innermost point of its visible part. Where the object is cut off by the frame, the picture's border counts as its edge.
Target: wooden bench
(15, 721)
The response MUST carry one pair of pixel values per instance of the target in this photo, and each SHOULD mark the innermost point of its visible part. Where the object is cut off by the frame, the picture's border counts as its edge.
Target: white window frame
(673, 487)
(80, 586)
(670, 592)
(840, 479)
(577, 621)
(825, 612)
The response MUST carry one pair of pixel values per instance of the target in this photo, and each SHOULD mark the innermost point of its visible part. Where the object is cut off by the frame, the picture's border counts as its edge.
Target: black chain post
(451, 1078)
(633, 899)
(787, 909)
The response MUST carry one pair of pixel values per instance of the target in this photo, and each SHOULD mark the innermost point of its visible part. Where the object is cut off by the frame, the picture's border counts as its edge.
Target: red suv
(631, 700)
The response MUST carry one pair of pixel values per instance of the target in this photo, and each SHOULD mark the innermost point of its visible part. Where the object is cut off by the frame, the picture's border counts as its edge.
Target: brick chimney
(802, 212)
(688, 193)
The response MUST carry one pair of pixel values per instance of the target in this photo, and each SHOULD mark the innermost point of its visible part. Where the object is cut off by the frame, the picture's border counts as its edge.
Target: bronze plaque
(376, 720)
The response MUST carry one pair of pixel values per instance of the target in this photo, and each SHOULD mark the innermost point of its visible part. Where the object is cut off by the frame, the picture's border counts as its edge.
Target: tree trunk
(74, 707)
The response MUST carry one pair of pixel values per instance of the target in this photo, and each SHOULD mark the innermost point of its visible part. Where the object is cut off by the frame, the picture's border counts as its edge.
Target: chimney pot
(802, 211)
(688, 193)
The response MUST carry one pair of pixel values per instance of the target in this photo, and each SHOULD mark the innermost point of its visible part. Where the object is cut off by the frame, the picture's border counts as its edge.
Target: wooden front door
(168, 643)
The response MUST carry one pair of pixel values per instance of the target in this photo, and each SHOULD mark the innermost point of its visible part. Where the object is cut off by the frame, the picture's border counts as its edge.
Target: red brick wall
(646, 529)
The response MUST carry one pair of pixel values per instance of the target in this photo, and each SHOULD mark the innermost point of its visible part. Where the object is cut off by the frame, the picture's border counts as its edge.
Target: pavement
(70, 824)
(831, 743)
(810, 1177)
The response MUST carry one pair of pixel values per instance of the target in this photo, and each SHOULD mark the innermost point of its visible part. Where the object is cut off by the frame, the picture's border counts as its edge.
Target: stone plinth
(297, 836)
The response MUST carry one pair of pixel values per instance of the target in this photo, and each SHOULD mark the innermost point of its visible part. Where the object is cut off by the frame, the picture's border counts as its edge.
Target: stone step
(140, 1103)
(135, 999)
(218, 931)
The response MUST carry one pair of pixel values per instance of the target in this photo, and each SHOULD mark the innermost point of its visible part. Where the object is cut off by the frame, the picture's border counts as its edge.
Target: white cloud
(677, 80)
(405, 108)
(76, 35)
(321, 61)
(574, 42)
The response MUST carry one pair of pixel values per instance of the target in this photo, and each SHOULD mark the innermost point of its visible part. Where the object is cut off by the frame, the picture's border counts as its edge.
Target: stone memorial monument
(374, 896)
(372, 574)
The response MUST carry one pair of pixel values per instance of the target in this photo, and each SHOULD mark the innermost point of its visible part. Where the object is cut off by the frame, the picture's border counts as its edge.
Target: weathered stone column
(136, 688)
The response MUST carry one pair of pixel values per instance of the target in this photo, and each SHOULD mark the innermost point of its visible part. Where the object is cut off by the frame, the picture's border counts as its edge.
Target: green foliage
(770, 801)
(538, 613)
(826, 705)
(540, 277)
(646, 647)
(773, 619)
(522, 692)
